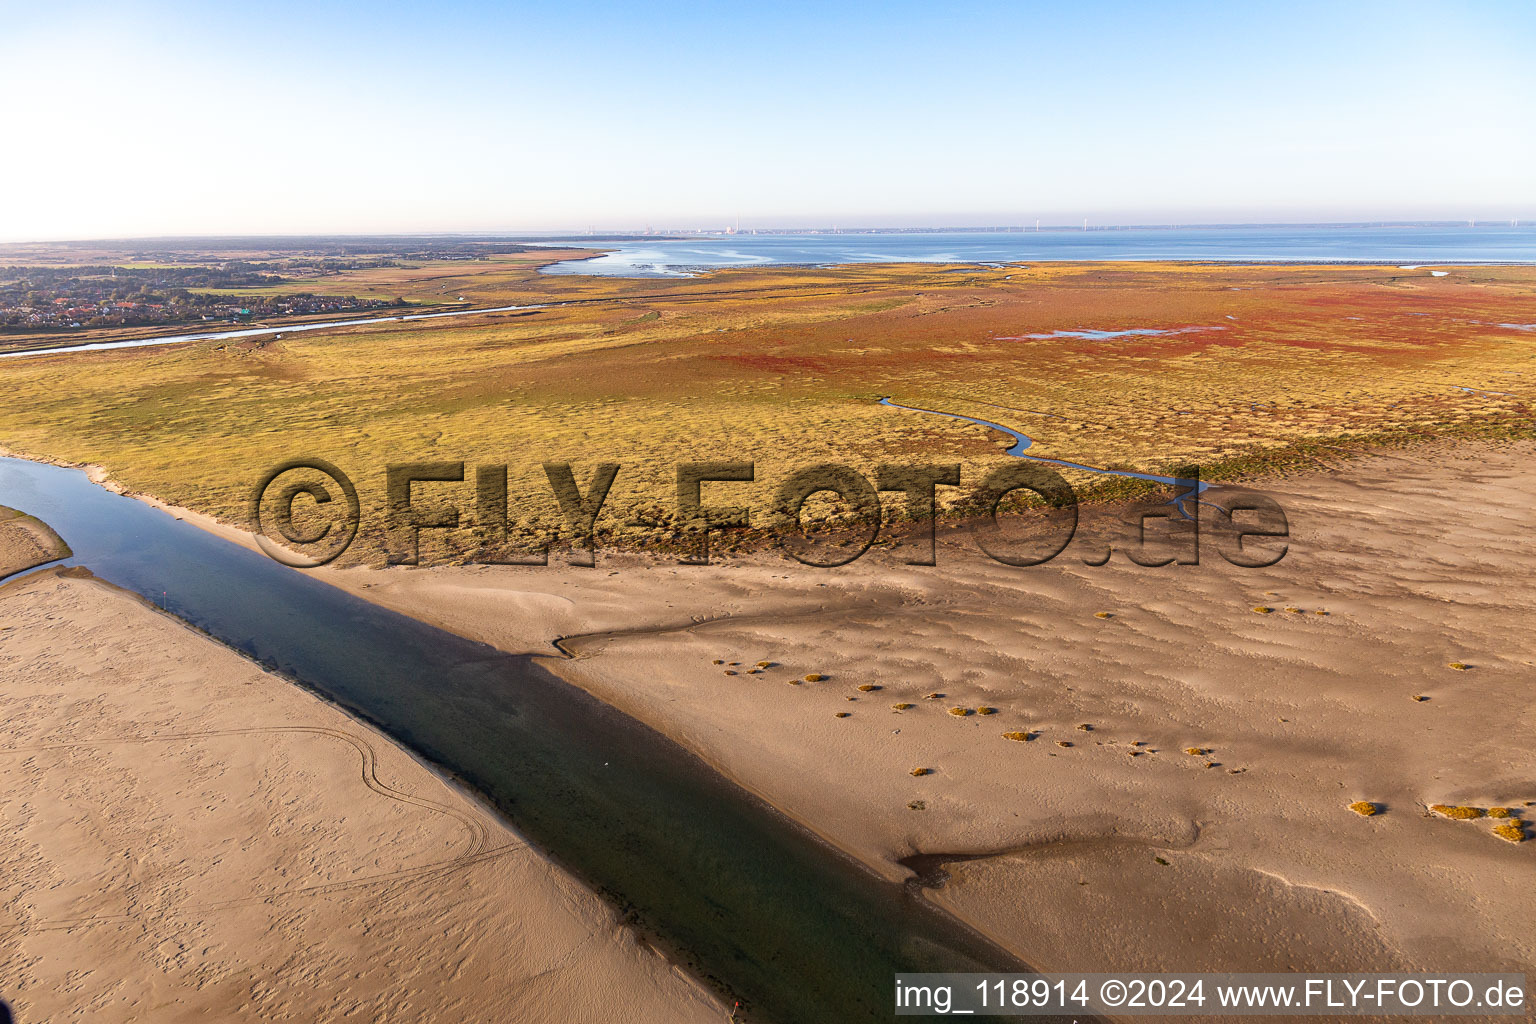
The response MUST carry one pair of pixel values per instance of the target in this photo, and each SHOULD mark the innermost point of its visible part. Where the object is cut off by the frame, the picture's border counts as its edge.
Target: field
(1255, 367)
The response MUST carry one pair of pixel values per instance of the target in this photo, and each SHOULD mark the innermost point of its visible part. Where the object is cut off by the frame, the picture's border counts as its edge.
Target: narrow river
(1022, 442)
(743, 896)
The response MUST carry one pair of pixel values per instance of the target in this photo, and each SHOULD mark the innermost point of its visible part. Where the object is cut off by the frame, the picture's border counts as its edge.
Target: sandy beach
(27, 542)
(1181, 796)
(1149, 771)
(190, 838)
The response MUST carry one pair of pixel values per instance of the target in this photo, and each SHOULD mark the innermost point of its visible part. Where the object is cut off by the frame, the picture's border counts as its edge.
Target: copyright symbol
(325, 530)
(1112, 992)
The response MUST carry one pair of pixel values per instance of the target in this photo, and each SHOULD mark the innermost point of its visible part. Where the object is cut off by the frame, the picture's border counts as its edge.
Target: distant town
(82, 298)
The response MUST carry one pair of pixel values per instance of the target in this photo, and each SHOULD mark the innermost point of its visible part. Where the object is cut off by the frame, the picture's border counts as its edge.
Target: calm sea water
(1401, 245)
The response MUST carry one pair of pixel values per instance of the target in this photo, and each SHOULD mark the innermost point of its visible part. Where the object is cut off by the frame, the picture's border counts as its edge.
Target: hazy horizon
(661, 234)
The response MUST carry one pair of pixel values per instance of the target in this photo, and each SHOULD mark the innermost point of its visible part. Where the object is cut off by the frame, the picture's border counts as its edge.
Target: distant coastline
(1395, 245)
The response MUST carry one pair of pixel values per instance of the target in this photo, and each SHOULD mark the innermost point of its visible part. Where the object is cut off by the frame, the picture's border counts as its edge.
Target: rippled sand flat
(191, 838)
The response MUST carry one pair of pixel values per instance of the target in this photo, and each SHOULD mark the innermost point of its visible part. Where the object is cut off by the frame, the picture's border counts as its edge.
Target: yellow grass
(1513, 831)
(784, 367)
(1458, 812)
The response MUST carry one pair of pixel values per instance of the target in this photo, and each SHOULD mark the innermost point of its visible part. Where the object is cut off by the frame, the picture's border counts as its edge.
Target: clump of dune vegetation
(1197, 751)
(793, 682)
(1459, 666)
(867, 687)
(903, 706)
(1019, 737)
(1085, 727)
(1262, 609)
(842, 714)
(718, 661)
(1294, 611)
(1103, 615)
(985, 710)
(933, 696)
(1365, 808)
(1420, 698)
(961, 712)
(918, 805)
(1319, 612)
(1498, 812)
(1513, 830)
(765, 664)
(1063, 743)
(1458, 812)
(922, 771)
(730, 671)
(814, 677)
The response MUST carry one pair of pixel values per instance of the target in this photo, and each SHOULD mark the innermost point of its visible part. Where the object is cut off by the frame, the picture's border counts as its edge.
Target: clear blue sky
(135, 117)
